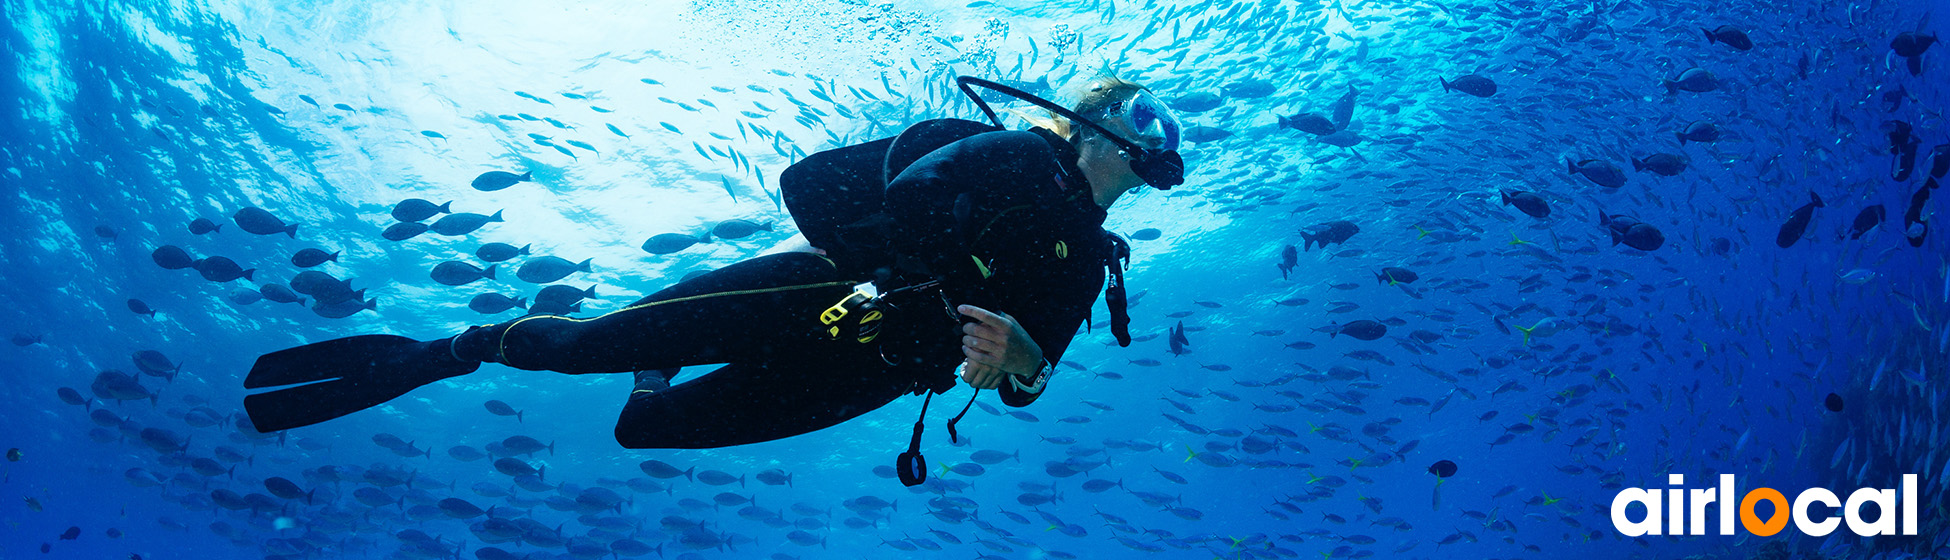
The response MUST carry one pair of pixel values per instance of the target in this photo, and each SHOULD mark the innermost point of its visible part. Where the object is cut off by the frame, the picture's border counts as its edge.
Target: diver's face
(1107, 167)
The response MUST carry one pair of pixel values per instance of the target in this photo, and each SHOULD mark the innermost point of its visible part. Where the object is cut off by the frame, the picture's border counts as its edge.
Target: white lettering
(1701, 497)
(1812, 528)
(1909, 503)
(1728, 503)
(1678, 504)
(1649, 499)
(1885, 501)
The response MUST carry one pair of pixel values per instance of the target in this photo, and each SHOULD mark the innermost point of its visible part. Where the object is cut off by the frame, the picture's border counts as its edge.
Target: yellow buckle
(839, 310)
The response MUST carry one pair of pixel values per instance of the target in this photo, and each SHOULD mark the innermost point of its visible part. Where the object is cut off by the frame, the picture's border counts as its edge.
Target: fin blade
(320, 360)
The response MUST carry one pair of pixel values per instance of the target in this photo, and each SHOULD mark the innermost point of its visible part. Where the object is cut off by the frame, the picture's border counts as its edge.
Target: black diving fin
(342, 376)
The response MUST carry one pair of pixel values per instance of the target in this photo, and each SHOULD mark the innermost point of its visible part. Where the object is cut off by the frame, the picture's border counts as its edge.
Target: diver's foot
(653, 380)
(431, 361)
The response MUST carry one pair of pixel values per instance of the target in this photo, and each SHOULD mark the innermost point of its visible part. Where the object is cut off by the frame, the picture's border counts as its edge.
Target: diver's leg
(748, 311)
(749, 403)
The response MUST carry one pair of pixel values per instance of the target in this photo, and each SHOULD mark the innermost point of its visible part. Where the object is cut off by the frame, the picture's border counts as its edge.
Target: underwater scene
(1256, 279)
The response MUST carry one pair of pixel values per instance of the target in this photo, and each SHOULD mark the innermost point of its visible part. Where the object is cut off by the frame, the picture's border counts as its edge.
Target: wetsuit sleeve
(1050, 298)
(1052, 331)
(967, 182)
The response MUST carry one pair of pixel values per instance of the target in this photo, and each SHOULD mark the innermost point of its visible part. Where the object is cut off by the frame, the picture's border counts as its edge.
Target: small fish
(1730, 36)
(1471, 84)
(1797, 222)
(1695, 80)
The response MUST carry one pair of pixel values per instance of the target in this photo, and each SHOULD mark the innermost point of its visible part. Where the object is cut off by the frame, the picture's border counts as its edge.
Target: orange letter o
(1774, 524)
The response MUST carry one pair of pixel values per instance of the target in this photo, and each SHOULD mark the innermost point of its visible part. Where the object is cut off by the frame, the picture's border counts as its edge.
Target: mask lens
(1152, 119)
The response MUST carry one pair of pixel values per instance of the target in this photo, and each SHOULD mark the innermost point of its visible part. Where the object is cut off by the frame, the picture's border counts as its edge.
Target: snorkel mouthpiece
(1162, 170)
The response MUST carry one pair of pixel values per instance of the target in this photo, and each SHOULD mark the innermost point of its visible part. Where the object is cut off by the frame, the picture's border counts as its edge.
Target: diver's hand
(996, 346)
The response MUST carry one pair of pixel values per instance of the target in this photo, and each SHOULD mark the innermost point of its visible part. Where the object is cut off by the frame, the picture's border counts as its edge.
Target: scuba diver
(955, 246)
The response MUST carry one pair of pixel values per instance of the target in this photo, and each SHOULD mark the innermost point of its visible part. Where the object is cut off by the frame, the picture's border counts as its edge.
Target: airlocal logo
(1677, 511)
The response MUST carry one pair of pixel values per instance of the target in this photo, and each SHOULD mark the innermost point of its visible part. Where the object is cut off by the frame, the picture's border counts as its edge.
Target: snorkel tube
(1162, 169)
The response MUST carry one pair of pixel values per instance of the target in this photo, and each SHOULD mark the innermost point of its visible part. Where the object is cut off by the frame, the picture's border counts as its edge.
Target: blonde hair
(1100, 93)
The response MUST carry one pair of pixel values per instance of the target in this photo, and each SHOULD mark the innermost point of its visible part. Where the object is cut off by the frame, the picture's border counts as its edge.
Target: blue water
(1692, 358)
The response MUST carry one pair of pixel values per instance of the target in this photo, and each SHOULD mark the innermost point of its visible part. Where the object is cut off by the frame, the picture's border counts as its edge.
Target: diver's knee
(633, 439)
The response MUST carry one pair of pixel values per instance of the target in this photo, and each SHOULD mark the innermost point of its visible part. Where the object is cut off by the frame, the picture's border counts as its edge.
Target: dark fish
(1249, 89)
(1344, 108)
(308, 257)
(491, 303)
(279, 293)
(1443, 469)
(667, 243)
(1528, 203)
(1910, 46)
(543, 270)
(23, 339)
(1867, 220)
(1729, 36)
(1631, 232)
(1201, 134)
(1178, 341)
(462, 223)
(258, 221)
(1699, 131)
(285, 488)
(1289, 258)
(1362, 329)
(244, 296)
(343, 309)
(202, 226)
(739, 229)
(1915, 230)
(459, 509)
(1721, 246)
(403, 231)
(1797, 223)
(321, 285)
(497, 252)
(539, 307)
(564, 294)
(1337, 231)
(156, 364)
(1940, 160)
(172, 257)
(1309, 123)
(221, 269)
(497, 180)
(416, 209)
(71, 534)
(1600, 172)
(499, 408)
(1893, 99)
(1146, 234)
(1696, 80)
(1833, 402)
(1904, 146)
(1663, 164)
(1391, 275)
(1471, 84)
(105, 232)
(1196, 102)
(457, 273)
(1342, 139)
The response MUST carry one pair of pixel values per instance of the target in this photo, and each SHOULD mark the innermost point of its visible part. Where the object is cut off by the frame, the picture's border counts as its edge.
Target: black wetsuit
(1014, 201)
